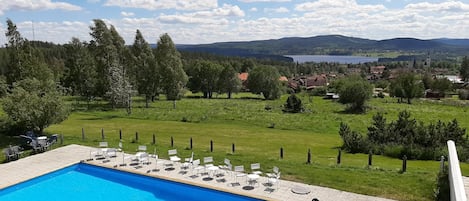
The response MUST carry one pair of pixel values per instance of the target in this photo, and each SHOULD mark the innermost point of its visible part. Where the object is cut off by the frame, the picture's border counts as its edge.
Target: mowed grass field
(245, 121)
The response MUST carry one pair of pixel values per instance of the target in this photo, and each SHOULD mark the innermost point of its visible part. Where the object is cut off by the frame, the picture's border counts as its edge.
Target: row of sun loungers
(206, 167)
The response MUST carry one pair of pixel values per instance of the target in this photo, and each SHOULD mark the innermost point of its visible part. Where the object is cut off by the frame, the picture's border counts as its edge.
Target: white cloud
(230, 23)
(254, 1)
(164, 4)
(31, 5)
(448, 6)
(127, 14)
(57, 32)
(93, 1)
(214, 16)
(253, 9)
(276, 10)
(338, 5)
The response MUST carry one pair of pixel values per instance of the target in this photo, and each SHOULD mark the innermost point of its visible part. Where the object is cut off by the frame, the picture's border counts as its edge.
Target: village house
(309, 82)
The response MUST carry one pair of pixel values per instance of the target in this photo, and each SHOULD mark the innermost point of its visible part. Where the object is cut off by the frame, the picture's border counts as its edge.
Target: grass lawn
(245, 121)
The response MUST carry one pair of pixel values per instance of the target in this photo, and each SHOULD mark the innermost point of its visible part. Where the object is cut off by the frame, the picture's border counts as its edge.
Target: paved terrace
(466, 185)
(39, 164)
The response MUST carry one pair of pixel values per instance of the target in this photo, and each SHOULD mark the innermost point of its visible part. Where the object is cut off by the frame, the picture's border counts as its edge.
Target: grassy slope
(245, 121)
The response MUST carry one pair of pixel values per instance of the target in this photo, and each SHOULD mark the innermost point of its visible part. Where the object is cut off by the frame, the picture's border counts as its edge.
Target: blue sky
(208, 21)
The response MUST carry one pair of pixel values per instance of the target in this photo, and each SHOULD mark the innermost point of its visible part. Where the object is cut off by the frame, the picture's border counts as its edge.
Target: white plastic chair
(196, 166)
(103, 144)
(144, 159)
(111, 152)
(120, 147)
(101, 151)
(208, 161)
(227, 167)
(255, 168)
(187, 162)
(142, 148)
(172, 153)
(274, 181)
(274, 173)
(239, 172)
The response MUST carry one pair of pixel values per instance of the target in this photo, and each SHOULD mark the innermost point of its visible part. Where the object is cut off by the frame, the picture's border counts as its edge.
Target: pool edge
(180, 181)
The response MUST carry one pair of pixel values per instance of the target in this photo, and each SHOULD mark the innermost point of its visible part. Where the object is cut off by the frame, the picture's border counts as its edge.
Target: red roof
(243, 76)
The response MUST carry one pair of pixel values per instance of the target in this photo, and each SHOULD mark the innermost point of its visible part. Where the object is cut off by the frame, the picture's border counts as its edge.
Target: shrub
(293, 104)
(464, 94)
(353, 141)
(406, 136)
(320, 91)
(394, 151)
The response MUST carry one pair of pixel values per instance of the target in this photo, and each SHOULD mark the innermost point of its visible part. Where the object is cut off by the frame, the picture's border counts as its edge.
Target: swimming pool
(82, 182)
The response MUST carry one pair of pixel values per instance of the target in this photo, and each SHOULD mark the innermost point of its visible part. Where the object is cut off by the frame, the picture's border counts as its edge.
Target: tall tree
(464, 70)
(204, 77)
(35, 104)
(378, 131)
(442, 85)
(104, 52)
(145, 68)
(407, 85)
(229, 81)
(265, 80)
(80, 75)
(14, 49)
(110, 56)
(25, 61)
(120, 88)
(355, 91)
(174, 78)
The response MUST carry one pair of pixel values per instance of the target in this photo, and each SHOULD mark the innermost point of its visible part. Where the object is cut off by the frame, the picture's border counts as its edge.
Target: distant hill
(455, 42)
(328, 45)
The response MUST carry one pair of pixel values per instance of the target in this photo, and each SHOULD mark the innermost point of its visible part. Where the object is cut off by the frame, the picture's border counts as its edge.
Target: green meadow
(259, 128)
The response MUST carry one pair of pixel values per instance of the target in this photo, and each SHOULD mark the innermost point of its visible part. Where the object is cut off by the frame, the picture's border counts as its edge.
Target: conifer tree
(174, 78)
(145, 68)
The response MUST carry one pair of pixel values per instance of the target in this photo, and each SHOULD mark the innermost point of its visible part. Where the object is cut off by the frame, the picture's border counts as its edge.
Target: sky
(209, 21)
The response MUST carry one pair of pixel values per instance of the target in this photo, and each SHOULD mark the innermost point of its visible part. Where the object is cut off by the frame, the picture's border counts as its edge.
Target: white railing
(456, 184)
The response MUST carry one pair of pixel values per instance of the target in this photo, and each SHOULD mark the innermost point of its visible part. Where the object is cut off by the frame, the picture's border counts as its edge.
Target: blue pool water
(87, 182)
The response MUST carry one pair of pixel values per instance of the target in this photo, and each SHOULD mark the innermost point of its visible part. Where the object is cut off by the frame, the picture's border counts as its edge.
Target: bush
(293, 104)
(394, 151)
(353, 141)
(320, 91)
(464, 94)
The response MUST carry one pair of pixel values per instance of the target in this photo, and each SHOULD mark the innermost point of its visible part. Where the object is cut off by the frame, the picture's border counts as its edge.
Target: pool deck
(39, 164)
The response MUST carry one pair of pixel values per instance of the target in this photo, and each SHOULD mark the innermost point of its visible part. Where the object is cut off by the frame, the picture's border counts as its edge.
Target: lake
(332, 59)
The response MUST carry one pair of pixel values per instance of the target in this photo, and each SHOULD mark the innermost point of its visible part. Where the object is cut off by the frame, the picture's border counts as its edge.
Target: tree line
(405, 136)
(35, 74)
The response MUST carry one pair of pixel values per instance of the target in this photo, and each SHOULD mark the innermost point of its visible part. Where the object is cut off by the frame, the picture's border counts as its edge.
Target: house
(309, 82)
(452, 78)
(377, 70)
(244, 81)
(315, 81)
